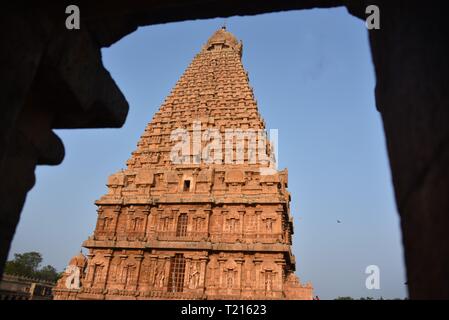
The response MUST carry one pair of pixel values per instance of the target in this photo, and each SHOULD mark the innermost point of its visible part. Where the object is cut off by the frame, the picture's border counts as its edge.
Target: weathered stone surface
(22, 288)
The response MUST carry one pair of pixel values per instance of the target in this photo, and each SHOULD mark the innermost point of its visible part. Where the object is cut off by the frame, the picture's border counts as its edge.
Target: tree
(27, 265)
(48, 273)
(344, 298)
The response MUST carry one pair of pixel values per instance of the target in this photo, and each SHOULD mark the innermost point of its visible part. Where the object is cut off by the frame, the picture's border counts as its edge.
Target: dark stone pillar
(411, 55)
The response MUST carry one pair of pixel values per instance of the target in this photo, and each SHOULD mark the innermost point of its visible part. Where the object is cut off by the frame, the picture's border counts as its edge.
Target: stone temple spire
(223, 39)
(213, 90)
(193, 216)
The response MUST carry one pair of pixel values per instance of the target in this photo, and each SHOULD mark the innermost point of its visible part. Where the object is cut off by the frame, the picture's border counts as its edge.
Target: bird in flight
(338, 221)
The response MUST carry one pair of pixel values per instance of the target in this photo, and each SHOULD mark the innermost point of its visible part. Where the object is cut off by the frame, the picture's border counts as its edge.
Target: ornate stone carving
(195, 229)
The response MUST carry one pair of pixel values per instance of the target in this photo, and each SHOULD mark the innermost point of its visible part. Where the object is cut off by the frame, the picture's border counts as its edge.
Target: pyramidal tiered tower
(178, 225)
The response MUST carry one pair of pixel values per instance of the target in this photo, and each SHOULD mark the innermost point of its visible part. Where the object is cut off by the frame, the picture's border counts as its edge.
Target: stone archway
(53, 78)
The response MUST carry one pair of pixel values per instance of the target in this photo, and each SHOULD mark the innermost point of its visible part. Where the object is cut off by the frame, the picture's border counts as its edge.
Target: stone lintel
(193, 200)
(187, 245)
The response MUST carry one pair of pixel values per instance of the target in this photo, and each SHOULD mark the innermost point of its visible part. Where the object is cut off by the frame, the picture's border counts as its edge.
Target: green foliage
(27, 265)
(48, 273)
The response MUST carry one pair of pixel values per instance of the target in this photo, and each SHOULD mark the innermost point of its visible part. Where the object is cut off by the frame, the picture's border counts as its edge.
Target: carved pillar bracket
(139, 259)
(202, 284)
(108, 257)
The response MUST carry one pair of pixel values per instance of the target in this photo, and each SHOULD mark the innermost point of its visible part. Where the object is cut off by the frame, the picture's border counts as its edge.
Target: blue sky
(314, 81)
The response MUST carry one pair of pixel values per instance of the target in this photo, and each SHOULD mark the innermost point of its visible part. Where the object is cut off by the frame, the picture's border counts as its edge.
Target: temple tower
(196, 214)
